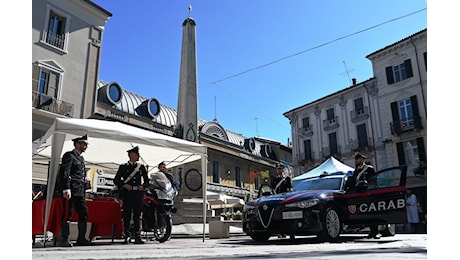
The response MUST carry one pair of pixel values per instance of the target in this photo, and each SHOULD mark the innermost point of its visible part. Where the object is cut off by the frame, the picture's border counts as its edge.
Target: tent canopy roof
(109, 142)
(331, 165)
(108, 145)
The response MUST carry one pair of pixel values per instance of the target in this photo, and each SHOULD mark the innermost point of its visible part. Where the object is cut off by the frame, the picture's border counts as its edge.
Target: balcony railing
(358, 115)
(327, 152)
(408, 124)
(306, 131)
(361, 144)
(51, 104)
(57, 40)
(330, 124)
(305, 157)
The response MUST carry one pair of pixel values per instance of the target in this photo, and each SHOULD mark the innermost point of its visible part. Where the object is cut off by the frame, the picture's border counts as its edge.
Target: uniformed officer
(73, 180)
(281, 182)
(131, 179)
(361, 175)
(362, 170)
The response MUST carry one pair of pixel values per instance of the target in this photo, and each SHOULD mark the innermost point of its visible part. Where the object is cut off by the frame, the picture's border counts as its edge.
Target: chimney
(354, 81)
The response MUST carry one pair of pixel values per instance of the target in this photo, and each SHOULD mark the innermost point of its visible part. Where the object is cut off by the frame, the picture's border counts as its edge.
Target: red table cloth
(104, 214)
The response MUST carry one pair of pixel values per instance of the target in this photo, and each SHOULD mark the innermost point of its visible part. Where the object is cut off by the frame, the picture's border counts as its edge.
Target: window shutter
(35, 77)
(395, 115)
(408, 66)
(52, 85)
(425, 59)
(415, 113)
(421, 149)
(401, 157)
(390, 77)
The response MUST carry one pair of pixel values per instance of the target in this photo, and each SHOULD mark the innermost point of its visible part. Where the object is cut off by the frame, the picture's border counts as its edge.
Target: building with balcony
(384, 117)
(66, 48)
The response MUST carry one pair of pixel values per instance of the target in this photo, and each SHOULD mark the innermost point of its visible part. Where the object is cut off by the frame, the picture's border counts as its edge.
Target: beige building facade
(384, 117)
(66, 48)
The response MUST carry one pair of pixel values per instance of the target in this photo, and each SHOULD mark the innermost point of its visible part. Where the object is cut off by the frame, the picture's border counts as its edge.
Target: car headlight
(247, 207)
(303, 204)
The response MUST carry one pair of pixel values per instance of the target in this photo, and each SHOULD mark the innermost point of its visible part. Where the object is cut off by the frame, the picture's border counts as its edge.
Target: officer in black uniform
(362, 169)
(281, 182)
(361, 175)
(131, 180)
(73, 180)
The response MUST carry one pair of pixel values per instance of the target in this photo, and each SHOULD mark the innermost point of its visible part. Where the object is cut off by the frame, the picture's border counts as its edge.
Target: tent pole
(204, 170)
(56, 150)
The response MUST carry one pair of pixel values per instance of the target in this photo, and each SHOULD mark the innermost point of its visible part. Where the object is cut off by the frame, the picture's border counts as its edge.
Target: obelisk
(187, 108)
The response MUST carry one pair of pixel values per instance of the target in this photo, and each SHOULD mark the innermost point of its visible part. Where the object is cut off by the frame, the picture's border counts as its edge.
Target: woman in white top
(412, 210)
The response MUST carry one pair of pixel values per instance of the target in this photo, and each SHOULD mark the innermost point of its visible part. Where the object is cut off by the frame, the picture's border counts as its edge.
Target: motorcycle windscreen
(162, 186)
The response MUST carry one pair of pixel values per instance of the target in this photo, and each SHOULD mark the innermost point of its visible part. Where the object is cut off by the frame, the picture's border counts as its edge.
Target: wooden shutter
(415, 112)
(408, 66)
(35, 77)
(395, 115)
(52, 85)
(390, 77)
(421, 149)
(401, 157)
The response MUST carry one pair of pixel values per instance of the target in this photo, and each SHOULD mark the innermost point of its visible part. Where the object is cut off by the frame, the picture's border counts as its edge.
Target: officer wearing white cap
(131, 180)
(361, 174)
(281, 182)
(73, 180)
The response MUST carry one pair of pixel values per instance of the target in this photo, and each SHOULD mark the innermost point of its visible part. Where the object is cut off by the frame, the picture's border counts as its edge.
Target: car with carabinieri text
(329, 205)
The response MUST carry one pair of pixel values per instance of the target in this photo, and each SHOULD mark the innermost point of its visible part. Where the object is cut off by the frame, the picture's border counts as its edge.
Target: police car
(329, 205)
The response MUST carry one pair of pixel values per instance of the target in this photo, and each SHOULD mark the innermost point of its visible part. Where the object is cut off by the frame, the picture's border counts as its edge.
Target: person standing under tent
(131, 180)
(74, 182)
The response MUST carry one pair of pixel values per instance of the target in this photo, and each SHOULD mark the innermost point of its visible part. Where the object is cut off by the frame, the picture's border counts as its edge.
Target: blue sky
(255, 59)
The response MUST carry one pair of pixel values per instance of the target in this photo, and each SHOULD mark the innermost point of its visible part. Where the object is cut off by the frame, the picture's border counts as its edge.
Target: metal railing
(51, 104)
(57, 40)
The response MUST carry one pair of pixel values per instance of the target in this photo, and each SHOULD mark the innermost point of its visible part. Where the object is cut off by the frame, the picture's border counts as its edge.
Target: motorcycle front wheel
(162, 233)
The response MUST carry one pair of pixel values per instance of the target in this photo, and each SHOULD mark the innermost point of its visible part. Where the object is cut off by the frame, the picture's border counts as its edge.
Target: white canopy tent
(108, 143)
(331, 165)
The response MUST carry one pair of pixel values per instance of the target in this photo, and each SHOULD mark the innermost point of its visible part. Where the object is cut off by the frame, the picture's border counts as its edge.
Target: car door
(381, 201)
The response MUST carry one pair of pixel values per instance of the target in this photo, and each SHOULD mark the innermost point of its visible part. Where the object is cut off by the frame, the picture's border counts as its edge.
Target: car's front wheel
(331, 225)
(389, 230)
(259, 237)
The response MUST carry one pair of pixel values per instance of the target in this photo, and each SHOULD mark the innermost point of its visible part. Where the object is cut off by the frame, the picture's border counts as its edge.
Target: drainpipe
(419, 76)
(372, 126)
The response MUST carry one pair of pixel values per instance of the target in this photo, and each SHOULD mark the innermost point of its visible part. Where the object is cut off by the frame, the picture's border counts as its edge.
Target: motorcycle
(156, 216)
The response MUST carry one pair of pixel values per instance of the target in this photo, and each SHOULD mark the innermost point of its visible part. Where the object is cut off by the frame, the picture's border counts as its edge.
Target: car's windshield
(319, 184)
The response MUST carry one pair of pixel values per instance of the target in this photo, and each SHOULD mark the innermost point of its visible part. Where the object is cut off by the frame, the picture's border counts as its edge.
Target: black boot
(138, 240)
(81, 240)
(63, 239)
(126, 237)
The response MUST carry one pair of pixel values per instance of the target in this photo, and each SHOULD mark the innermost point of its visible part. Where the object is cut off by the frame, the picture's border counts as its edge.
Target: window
(215, 172)
(330, 116)
(333, 148)
(405, 115)
(411, 152)
(306, 123)
(359, 106)
(399, 72)
(55, 30)
(307, 150)
(237, 177)
(46, 78)
(362, 135)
